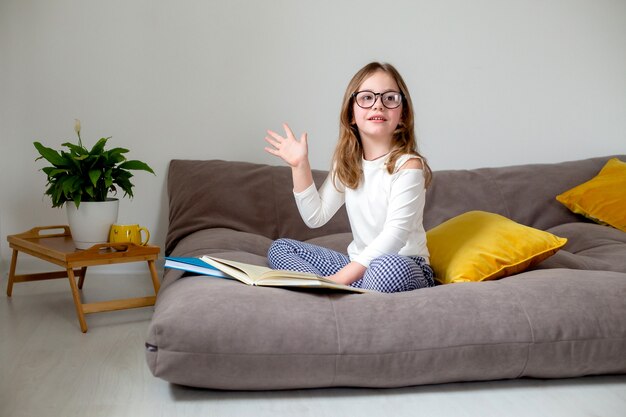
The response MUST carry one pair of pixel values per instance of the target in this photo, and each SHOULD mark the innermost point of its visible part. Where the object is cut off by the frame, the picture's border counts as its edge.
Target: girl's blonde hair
(349, 151)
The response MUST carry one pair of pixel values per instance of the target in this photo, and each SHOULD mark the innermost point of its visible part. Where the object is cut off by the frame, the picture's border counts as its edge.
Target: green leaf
(70, 185)
(74, 164)
(78, 150)
(51, 155)
(98, 148)
(53, 172)
(126, 186)
(90, 191)
(118, 150)
(94, 176)
(137, 165)
(108, 178)
(114, 156)
(118, 174)
(56, 195)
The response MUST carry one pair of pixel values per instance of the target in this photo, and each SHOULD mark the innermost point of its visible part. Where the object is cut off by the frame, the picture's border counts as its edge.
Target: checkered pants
(387, 273)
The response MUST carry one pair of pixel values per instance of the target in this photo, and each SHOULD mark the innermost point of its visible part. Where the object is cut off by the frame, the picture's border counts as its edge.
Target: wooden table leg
(81, 281)
(77, 301)
(155, 277)
(12, 273)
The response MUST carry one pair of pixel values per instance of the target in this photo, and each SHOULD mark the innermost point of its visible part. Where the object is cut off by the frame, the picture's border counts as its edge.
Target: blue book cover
(196, 265)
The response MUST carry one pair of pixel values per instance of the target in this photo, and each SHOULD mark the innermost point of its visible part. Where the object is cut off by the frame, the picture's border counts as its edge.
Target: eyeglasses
(389, 99)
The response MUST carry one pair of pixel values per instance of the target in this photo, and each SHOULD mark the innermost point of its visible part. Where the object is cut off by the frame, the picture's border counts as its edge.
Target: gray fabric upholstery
(565, 317)
(240, 196)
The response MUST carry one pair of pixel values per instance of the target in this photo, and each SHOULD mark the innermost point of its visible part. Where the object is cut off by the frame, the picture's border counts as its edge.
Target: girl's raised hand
(293, 151)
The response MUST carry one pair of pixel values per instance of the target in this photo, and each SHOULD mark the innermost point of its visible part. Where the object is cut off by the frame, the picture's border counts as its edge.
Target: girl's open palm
(291, 150)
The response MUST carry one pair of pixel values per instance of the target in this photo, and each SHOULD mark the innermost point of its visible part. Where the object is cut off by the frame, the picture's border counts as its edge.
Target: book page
(260, 273)
(277, 274)
(308, 283)
(233, 270)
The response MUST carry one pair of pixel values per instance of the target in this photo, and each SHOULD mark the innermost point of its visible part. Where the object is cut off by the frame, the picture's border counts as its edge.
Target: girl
(379, 175)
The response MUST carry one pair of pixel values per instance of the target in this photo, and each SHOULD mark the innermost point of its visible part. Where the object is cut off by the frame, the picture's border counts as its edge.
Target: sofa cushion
(589, 246)
(216, 333)
(603, 198)
(242, 196)
(338, 242)
(523, 193)
(479, 246)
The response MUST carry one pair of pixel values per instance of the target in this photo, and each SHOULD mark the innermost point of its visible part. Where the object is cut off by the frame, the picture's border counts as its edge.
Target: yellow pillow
(478, 246)
(602, 198)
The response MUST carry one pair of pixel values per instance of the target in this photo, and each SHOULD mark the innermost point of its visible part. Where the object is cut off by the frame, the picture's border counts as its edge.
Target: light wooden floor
(49, 368)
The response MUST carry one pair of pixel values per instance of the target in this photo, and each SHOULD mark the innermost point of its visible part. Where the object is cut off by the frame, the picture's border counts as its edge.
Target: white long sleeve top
(385, 211)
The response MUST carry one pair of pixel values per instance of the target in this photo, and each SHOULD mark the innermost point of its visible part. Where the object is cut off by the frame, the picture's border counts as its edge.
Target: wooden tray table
(58, 248)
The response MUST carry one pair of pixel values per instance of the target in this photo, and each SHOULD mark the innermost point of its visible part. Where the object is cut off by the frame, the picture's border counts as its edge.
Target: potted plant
(83, 178)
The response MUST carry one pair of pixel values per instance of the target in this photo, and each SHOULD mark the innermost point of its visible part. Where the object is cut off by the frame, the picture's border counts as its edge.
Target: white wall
(494, 83)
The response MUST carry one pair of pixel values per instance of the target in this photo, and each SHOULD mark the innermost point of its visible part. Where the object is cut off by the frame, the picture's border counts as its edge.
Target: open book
(263, 276)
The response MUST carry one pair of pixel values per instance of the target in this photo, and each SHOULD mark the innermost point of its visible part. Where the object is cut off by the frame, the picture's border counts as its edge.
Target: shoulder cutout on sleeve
(413, 163)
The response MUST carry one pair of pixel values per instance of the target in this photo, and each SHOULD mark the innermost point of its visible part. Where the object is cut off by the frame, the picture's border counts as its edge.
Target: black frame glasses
(383, 96)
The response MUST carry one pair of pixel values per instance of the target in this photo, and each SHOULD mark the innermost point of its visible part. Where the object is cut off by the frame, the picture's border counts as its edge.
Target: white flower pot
(91, 222)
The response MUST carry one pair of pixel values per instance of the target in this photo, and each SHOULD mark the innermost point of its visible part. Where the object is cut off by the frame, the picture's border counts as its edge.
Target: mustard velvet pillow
(478, 246)
(602, 198)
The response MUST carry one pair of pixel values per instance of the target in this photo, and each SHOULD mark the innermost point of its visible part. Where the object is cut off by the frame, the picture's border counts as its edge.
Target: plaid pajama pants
(387, 273)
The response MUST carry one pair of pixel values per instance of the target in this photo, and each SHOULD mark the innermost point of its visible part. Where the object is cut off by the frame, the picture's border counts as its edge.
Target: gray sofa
(565, 317)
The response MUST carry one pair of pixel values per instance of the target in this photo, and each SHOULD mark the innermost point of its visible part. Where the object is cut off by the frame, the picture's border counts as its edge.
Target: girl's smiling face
(378, 122)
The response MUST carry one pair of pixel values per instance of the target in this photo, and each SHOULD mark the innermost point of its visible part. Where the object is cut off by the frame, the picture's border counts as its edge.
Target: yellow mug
(125, 233)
